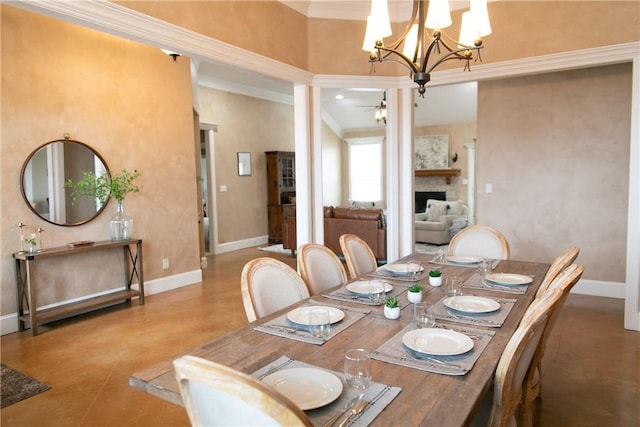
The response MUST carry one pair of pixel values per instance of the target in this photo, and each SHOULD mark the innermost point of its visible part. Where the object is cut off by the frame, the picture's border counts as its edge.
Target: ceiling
(441, 104)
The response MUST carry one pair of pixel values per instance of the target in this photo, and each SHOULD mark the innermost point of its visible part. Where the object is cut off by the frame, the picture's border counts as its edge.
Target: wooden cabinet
(281, 191)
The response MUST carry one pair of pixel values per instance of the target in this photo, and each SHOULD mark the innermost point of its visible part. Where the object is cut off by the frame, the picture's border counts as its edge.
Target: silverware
(472, 319)
(347, 408)
(435, 360)
(494, 285)
(286, 328)
(359, 407)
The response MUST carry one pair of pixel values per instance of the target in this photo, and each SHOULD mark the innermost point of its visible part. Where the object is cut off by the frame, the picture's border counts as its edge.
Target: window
(365, 169)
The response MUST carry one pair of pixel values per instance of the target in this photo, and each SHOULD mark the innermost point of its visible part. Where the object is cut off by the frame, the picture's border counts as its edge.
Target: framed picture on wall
(432, 152)
(244, 164)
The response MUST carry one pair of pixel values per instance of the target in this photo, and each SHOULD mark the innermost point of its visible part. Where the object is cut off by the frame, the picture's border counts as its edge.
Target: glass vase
(121, 225)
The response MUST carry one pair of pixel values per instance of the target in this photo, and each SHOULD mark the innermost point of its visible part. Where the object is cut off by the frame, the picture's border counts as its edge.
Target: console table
(26, 289)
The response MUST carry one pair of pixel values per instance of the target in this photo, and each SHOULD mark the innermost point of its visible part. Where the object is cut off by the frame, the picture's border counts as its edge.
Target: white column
(471, 181)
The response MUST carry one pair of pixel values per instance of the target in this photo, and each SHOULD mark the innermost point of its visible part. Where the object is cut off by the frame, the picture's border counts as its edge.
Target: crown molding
(117, 20)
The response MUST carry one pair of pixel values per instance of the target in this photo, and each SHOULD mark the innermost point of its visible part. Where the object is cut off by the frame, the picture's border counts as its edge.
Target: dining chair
(216, 395)
(532, 384)
(268, 285)
(358, 255)
(479, 240)
(512, 366)
(320, 268)
(560, 263)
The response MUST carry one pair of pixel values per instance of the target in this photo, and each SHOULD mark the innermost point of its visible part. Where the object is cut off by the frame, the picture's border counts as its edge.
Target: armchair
(434, 225)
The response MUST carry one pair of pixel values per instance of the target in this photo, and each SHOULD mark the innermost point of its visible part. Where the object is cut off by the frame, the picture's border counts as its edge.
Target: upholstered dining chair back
(216, 395)
(358, 255)
(479, 240)
(320, 267)
(268, 285)
(560, 263)
(515, 360)
(532, 384)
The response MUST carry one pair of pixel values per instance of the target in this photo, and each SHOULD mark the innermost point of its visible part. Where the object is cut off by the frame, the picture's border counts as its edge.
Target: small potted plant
(435, 278)
(414, 294)
(31, 243)
(391, 308)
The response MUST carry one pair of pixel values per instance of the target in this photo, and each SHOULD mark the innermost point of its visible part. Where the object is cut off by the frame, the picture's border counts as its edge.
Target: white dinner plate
(472, 304)
(308, 388)
(300, 315)
(463, 259)
(362, 287)
(439, 342)
(402, 269)
(509, 279)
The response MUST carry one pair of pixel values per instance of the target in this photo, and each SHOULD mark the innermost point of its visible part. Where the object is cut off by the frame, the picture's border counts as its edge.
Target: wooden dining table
(426, 398)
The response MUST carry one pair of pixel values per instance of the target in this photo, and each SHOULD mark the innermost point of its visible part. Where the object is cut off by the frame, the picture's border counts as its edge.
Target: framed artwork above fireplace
(432, 152)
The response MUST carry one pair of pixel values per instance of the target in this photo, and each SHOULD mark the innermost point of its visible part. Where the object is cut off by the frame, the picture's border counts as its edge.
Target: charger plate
(308, 388)
(437, 341)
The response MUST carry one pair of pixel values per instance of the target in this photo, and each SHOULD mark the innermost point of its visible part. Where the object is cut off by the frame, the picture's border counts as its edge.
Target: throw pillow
(436, 209)
(455, 207)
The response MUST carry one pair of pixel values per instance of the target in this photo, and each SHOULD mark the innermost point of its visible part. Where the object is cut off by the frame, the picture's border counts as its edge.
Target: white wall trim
(599, 288)
(241, 244)
(9, 322)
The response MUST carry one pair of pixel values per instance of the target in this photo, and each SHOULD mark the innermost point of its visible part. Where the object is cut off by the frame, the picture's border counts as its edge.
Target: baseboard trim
(241, 244)
(599, 288)
(9, 322)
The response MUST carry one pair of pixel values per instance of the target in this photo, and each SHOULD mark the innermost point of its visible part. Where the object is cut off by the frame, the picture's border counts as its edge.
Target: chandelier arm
(454, 55)
(389, 51)
(432, 45)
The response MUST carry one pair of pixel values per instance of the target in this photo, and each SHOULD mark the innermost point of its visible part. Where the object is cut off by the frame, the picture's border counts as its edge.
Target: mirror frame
(22, 184)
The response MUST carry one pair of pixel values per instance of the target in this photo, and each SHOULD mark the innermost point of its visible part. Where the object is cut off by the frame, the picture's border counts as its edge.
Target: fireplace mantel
(446, 173)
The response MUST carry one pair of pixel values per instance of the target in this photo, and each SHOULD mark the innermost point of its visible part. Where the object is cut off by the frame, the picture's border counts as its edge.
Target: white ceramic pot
(435, 281)
(391, 313)
(414, 297)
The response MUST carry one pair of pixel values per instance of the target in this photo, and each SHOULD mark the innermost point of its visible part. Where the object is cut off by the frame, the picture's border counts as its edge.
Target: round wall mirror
(44, 174)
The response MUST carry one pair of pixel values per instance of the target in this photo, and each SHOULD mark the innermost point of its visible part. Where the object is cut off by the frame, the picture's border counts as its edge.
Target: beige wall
(332, 167)
(128, 102)
(555, 147)
(250, 125)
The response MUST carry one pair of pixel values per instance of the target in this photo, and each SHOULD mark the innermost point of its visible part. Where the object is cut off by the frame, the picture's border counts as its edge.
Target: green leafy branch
(103, 186)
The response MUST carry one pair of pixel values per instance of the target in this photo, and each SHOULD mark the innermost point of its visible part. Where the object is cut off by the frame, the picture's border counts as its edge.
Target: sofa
(440, 221)
(368, 224)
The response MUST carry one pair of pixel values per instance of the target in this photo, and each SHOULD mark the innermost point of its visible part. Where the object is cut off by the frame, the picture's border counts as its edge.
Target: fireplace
(423, 196)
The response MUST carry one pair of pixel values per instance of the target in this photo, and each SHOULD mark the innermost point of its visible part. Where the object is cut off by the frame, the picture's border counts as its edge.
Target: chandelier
(418, 47)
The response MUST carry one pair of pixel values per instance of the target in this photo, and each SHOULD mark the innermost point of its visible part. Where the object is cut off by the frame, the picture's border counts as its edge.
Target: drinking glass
(319, 322)
(423, 315)
(414, 268)
(485, 267)
(376, 291)
(357, 369)
(453, 286)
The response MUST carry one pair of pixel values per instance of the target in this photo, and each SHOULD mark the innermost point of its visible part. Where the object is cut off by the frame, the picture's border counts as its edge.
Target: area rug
(16, 386)
(278, 249)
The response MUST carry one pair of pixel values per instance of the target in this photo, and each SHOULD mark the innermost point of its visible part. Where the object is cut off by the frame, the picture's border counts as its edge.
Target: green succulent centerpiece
(415, 288)
(103, 186)
(392, 302)
(435, 273)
